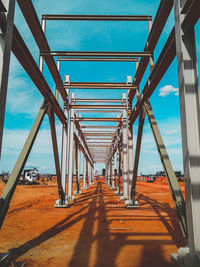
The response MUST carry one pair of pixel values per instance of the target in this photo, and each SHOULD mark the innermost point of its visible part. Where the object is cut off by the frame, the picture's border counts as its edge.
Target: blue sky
(24, 100)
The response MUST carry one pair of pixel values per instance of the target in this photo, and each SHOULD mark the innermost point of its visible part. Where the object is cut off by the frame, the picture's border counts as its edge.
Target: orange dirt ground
(95, 231)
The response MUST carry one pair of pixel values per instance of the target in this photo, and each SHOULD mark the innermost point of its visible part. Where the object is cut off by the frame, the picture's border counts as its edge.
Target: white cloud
(168, 89)
(172, 131)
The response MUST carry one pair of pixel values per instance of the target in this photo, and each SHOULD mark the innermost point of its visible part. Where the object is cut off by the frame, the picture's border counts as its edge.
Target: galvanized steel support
(171, 177)
(70, 156)
(137, 157)
(125, 150)
(113, 173)
(190, 128)
(118, 191)
(78, 162)
(64, 149)
(19, 166)
(5, 50)
(56, 157)
(84, 173)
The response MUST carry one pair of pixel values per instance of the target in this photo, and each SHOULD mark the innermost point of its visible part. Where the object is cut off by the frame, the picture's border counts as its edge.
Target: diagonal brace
(167, 166)
(19, 166)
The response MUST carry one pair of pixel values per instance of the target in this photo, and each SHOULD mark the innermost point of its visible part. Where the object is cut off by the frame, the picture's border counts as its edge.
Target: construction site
(98, 210)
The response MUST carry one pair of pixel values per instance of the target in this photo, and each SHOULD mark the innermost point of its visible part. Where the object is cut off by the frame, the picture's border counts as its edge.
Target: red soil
(95, 231)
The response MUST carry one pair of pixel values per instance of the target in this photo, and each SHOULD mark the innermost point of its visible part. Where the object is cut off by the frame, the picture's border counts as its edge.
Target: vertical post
(87, 172)
(64, 149)
(118, 192)
(108, 173)
(137, 157)
(61, 200)
(130, 156)
(84, 173)
(125, 150)
(78, 161)
(113, 173)
(151, 59)
(5, 50)
(90, 173)
(71, 148)
(56, 89)
(190, 128)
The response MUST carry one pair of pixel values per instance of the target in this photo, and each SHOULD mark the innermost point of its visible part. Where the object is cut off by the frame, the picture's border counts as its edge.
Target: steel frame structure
(76, 138)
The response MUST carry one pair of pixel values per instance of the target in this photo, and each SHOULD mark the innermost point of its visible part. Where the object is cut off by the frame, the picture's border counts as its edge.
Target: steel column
(137, 157)
(84, 173)
(56, 157)
(5, 50)
(78, 159)
(70, 156)
(118, 191)
(190, 128)
(64, 149)
(113, 173)
(125, 150)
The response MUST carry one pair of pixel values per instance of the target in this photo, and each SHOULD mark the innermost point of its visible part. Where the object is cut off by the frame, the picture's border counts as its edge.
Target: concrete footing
(77, 193)
(130, 204)
(84, 188)
(185, 258)
(123, 198)
(118, 193)
(63, 205)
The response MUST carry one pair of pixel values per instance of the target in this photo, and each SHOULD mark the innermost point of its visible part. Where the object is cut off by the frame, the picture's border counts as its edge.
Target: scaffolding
(111, 143)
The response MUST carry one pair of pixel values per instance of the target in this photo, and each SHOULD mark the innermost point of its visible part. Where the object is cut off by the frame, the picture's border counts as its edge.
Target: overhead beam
(97, 59)
(164, 61)
(98, 17)
(33, 22)
(94, 53)
(27, 61)
(98, 107)
(100, 119)
(160, 20)
(98, 100)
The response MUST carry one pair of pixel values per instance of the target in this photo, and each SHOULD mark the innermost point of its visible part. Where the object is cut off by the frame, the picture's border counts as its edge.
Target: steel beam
(99, 119)
(98, 100)
(160, 20)
(190, 128)
(167, 166)
(100, 86)
(97, 111)
(33, 22)
(99, 127)
(97, 59)
(5, 50)
(48, 53)
(98, 17)
(27, 61)
(97, 107)
(19, 166)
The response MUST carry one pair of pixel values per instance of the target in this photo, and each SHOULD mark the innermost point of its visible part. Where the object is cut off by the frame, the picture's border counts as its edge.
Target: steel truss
(115, 146)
